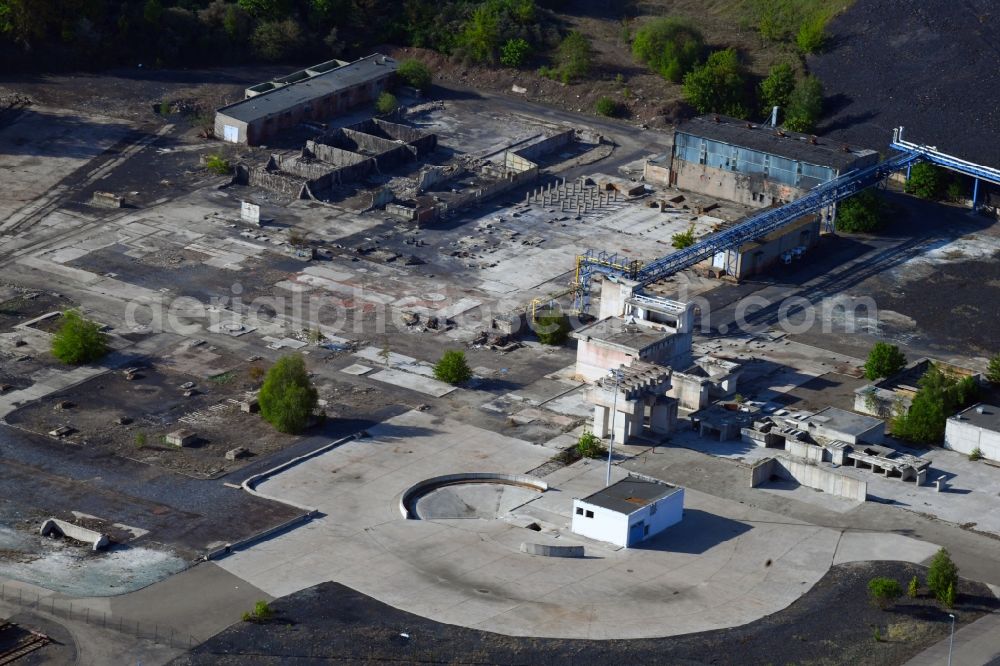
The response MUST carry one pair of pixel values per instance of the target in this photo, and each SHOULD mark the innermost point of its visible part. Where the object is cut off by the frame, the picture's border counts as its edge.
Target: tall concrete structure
(628, 512)
(977, 427)
(634, 401)
(756, 165)
(315, 93)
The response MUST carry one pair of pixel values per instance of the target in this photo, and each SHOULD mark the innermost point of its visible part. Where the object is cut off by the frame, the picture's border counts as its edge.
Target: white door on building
(231, 134)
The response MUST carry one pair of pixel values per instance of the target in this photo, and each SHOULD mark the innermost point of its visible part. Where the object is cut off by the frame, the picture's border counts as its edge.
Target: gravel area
(932, 66)
(334, 624)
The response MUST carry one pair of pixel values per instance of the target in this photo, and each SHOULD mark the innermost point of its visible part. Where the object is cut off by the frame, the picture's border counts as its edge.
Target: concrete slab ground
(970, 494)
(726, 564)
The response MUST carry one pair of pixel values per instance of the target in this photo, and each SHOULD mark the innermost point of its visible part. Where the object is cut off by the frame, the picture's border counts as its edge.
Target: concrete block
(58, 527)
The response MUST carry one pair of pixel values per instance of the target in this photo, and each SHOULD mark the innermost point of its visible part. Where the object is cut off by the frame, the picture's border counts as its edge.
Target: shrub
(386, 103)
(884, 591)
(287, 398)
(976, 454)
(949, 597)
(777, 87)
(589, 446)
(993, 370)
(718, 86)
(452, 368)
(574, 57)
(669, 46)
(877, 635)
(926, 181)
(884, 360)
(862, 213)
(551, 328)
(256, 373)
(140, 439)
(78, 340)
(608, 107)
(164, 108)
(261, 611)
(414, 73)
(805, 105)
(515, 52)
(955, 191)
(218, 165)
(942, 575)
(914, 588)
(683, 239)
(812, 34)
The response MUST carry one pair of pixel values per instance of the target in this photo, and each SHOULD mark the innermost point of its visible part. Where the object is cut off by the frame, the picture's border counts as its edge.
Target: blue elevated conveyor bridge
(760, 224)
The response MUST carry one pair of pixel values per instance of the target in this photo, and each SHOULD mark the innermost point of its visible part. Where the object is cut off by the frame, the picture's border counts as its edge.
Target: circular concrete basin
(474, 495)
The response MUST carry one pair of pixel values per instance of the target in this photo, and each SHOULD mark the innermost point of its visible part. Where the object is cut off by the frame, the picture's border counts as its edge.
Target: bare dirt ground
(335, 624)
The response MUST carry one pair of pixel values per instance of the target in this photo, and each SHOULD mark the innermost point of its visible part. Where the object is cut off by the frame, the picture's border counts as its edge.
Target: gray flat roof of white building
(842, 420)
(630, 494)
(616, 332)
(294, 94)
(988, 419)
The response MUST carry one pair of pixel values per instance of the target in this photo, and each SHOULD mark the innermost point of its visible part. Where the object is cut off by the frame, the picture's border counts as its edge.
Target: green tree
(481, 35)
(266, 9)
(777, 87)
(862, 213)
(78, 340)
(589, 446)
(415, 73)
(926, 181)
(515, 52)
(574, 56)
(671, 47)
(939, 396)
(812, 34)
(884, 360)
(453, 368)
(993, 370)
(950, 597)
(718, 86)
(683, 239)
(884, 591)
(942, 575)
(277, 40)
(914, 588)
(805, 105)
(608, 107)
(287, 398)
(386, 103)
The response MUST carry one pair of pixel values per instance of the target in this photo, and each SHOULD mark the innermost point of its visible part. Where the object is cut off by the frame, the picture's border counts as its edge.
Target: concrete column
(601, 421)
(659, 418)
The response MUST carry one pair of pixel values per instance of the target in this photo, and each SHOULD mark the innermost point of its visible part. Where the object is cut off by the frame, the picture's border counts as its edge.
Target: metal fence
(77, 612)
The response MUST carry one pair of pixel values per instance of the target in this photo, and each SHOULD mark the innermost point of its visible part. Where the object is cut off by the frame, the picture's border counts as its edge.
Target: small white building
(628, 512)
(978, 427)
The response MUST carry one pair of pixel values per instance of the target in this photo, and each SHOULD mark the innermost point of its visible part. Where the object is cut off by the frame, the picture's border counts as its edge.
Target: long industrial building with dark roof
(756, 165)
(315, 93)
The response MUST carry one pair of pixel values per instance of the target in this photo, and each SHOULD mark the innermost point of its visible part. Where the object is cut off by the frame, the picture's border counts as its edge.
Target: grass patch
(223, 378)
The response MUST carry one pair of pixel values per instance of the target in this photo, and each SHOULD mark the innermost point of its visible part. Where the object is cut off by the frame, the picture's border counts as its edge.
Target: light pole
(617, 373)
(951, 641)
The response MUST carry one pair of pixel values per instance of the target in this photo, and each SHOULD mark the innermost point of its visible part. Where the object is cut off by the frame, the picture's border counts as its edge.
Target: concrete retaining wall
(96, 540)
(810, 475)
(804, 450)
(551, 551)
(425, 486)
(547, 145)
